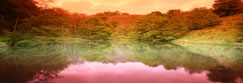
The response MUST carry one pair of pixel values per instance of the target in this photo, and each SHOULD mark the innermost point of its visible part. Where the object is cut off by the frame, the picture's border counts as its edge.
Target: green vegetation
(94, 28)
(2, 44)
(174, 24)
(151, 26)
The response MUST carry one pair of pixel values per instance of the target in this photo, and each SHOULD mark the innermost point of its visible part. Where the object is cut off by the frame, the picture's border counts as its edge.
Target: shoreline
(222, 44)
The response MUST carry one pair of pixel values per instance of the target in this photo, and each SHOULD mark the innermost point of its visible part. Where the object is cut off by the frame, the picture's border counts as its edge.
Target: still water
(121, 62)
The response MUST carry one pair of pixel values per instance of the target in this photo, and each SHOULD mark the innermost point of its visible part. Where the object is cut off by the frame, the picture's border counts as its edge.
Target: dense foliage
(174, 24)
(49, 22)
(200, 18)
(151, 26)
(228, 7)
(94, 28)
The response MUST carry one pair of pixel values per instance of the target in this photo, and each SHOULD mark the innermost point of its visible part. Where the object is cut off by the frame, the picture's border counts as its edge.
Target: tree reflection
(222, 74)
(23, 65)
(41, 64)
(194, 59)
(173, 57)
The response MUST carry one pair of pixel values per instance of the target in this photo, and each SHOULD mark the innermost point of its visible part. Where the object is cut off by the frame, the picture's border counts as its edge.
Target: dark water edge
(122, 61)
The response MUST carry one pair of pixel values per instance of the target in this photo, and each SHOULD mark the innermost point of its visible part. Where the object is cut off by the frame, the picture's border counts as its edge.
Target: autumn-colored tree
(228, 7)
(176, 23)
(200, 18)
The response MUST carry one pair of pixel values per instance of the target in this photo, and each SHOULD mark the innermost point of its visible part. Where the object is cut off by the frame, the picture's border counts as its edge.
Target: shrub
(2, 44)
(20, 40)
(13, 39)
(26, 43)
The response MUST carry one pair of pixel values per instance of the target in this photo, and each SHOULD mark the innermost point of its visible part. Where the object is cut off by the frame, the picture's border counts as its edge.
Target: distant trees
(175, 14)
(45, 4)
(109, 13)
(228, 7)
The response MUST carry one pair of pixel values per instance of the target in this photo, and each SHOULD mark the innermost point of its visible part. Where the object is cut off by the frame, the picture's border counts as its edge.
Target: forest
(29, 22)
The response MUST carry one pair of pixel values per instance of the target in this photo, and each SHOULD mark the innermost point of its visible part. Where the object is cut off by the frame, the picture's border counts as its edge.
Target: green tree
(94, 28)
(227, 7)
(176, 23)
(151, 27)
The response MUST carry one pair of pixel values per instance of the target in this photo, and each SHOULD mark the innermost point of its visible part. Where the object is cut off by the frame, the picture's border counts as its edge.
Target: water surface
(121, 62)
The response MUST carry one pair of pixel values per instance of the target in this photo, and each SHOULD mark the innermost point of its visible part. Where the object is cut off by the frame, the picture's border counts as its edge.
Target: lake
(121, 61)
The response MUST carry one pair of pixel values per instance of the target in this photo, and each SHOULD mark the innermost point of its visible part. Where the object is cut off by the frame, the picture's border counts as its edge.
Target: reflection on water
(121, 62)
(125, 73)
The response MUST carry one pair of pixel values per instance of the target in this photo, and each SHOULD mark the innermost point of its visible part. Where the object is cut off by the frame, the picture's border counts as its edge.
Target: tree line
(33, 18)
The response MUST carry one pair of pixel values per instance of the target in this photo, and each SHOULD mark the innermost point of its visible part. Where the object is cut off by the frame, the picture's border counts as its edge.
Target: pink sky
(130, 6)
(126, 73)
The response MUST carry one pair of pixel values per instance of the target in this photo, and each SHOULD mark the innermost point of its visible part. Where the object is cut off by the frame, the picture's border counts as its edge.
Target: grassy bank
(229, 32)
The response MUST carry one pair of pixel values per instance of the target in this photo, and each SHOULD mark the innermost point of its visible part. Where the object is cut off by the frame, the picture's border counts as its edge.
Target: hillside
(228, 32)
